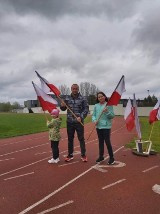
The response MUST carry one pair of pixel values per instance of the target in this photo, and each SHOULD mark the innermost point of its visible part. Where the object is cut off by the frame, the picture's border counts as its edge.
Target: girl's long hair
(100, 92)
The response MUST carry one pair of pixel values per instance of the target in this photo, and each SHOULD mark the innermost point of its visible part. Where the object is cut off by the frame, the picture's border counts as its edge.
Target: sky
(70, 41)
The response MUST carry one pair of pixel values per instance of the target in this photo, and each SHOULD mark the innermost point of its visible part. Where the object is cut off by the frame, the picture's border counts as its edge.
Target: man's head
(75, 89)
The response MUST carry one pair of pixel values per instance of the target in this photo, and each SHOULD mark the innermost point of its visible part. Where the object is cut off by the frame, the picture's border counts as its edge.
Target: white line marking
(7, 159)
(22, 167)
(150, 169)
(66, 164)
(156, 188)
(97, 167)
(117, 182)
(19, 176)
(61, 188)
(116, 165)
(57, 207)
(21, 150)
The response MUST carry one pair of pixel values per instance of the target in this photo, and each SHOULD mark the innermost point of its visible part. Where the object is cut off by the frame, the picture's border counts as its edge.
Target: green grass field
(12, 124)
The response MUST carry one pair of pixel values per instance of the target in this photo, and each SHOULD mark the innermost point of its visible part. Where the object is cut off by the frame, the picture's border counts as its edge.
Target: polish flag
(116, 95)
(129, 116)
(137, 124)
(53, 88)
(155, 113)
(47, 102)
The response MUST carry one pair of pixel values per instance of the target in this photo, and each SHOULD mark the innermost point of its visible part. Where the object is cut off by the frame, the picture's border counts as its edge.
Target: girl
(103, 126)
(54, 135)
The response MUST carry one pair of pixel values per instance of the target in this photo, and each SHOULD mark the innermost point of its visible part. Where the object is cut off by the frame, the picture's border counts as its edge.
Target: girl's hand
(105, 109)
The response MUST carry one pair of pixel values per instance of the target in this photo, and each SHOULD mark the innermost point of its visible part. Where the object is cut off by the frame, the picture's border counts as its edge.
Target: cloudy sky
(69, 41)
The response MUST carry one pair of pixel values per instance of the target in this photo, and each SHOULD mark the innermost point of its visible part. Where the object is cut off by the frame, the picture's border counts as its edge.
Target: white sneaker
(56, 160)
(51, 161)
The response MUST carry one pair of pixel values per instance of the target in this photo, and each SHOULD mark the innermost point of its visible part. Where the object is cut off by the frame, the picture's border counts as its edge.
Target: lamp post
(148, 93)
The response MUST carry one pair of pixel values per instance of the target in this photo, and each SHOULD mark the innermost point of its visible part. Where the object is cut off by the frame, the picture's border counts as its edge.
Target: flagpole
(151, 131)
(105, 107)
(96, 122)
(119, 82)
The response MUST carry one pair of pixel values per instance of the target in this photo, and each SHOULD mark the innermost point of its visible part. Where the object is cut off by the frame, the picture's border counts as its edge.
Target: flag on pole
(129, 116)
(155, 113)
(116, 95)
(47, 102)
(53, 88)
(137, 124)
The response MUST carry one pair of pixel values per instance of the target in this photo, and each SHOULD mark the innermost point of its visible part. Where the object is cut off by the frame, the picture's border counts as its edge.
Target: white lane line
(117, 182)
(66, 164)
(61, 188)
(14, 170)
(7, 159)
(156, 188)
(21, 150)
(18, 176)
(146, 170)
(55, 208)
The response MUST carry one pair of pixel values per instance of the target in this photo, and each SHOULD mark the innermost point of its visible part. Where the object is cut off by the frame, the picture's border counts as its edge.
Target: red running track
(28, 184)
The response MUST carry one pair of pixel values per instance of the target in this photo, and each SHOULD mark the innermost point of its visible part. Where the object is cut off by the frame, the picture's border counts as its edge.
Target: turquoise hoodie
(105, 121)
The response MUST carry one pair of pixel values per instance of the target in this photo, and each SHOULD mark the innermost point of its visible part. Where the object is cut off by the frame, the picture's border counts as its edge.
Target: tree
(64, 89)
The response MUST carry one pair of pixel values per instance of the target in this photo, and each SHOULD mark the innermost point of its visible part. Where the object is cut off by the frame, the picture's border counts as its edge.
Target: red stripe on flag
(153, 116)
(114, 99)
(130, 121)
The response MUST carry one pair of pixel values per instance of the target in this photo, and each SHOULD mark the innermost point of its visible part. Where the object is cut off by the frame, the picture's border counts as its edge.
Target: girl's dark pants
(55, 149)
(104, 136)
(71, 128)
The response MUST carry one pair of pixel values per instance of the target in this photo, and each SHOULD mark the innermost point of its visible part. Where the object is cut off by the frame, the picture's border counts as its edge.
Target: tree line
(88, 90)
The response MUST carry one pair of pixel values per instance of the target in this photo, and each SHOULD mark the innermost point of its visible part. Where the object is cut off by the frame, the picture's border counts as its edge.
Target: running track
(28, 184)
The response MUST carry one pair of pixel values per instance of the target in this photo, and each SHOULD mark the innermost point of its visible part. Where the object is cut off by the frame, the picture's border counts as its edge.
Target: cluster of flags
(46, 101)
(130, 115)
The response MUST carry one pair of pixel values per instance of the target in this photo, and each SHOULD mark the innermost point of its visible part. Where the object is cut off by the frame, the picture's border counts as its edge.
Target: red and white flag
(155, 113)
(116, 95)
(137, 124)
(47, 102)
(129, 116)
(52, 87)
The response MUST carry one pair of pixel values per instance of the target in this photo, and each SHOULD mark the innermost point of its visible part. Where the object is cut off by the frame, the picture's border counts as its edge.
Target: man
(77, 110)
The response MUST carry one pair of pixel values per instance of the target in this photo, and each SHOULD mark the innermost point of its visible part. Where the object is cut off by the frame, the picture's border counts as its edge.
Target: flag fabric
(44, 87)
(47, 102)
(137, 124)
(52, 87)
(116, 95)
(155, 113)
(129, 116)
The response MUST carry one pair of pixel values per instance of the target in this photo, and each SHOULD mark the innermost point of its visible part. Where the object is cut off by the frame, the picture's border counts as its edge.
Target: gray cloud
(86, 41)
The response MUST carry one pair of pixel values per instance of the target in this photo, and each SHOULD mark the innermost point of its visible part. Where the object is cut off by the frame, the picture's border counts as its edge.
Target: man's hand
(79, 119)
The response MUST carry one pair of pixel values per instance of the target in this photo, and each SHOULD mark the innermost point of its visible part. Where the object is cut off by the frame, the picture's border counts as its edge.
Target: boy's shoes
(84, 158)
(69, 158)
(99, 159)
(111, 161)
(54, 160)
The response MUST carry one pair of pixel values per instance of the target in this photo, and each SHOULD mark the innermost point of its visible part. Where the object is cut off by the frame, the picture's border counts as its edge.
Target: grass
(12, 124)
(148, 131)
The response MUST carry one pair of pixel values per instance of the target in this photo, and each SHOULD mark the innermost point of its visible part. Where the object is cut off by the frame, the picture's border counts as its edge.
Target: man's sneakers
(69, 158)
(100, 159)
(111, 161)
(54, 160)
(84, 158)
